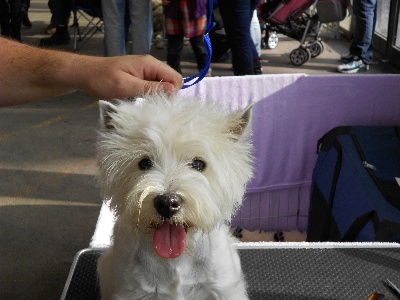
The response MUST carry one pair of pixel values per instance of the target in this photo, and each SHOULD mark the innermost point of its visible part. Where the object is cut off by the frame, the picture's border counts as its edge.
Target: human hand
(128, 76)
(30, 73)
(165, 2)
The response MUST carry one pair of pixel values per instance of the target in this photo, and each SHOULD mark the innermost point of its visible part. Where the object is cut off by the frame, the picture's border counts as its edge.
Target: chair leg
(89, 30)
(77, 31)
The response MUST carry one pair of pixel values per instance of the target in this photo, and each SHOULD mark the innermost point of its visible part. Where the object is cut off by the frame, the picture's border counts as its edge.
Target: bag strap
(358, 225)
(332, 192)
(326, 141)
(336, 172)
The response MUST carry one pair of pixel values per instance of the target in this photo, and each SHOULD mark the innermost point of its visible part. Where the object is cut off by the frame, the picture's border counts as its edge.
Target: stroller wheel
(271, 40)
(316, 48)
(299, 56)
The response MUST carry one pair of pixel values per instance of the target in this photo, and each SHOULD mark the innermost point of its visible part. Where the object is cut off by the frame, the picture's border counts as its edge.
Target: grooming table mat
(283, 273)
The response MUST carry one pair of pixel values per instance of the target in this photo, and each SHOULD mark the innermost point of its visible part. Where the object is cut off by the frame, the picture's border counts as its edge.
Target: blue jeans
(237, 15)
(365, 17)
(141, 18)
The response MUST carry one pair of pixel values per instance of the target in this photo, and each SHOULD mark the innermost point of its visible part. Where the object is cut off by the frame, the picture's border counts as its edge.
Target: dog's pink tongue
(169, 240)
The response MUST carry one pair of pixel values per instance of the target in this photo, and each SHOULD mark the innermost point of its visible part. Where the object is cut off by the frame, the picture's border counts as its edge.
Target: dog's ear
(240, 123)
(106, 109)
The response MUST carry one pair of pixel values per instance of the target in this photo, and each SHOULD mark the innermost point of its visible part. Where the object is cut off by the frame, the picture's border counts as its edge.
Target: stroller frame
(294, 22)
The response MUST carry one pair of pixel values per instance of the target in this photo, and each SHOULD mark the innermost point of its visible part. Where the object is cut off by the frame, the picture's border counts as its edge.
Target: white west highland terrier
(174, 171)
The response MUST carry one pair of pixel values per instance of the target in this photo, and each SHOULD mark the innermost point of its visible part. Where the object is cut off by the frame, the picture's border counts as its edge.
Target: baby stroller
(290, 17)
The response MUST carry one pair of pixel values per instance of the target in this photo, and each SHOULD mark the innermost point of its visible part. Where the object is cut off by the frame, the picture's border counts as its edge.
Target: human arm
(29, 73)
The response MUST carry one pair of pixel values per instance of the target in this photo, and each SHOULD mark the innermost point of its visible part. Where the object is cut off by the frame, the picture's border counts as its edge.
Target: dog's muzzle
(169, 238)
(168, 205)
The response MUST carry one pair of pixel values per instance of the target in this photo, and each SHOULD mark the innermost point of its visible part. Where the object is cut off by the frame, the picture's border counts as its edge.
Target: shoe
(209, 73)
(258, 70)
(25, 20)
(348, 57)
(352, 67)
(221, 58)
(16, 38)
(160, 43)
(50, 29)
(60, 37)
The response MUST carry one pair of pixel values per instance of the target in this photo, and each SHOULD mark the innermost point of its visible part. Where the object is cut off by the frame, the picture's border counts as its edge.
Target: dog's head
(172, 165)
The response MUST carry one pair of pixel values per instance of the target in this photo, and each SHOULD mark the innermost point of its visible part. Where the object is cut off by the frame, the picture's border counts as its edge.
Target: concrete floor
(49, 197)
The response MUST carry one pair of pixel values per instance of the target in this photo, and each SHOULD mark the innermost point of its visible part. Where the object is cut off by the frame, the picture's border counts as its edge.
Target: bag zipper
(369, 167)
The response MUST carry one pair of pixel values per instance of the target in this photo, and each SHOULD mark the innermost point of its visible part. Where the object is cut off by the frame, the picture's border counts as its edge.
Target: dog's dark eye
(198, 164)
(145, 164)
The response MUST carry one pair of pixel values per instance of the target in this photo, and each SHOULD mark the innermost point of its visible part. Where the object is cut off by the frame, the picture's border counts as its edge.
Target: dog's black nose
(167, 205)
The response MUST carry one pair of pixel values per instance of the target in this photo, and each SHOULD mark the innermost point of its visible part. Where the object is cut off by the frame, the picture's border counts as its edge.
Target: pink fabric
(293, 9)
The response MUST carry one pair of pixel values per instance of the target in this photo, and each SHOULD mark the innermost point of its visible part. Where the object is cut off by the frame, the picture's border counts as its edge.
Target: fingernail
(167, 88)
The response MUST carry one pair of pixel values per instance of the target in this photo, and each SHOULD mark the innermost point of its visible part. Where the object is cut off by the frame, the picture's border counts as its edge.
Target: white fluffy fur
(171, 132)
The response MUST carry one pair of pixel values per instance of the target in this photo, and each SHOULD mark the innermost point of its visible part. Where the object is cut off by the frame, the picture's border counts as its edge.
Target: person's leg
(256, 53)
(25, 4)
(51, 28)
(365, 17)
(255, 32)
(174, 49)
(141, 12)
(61, 11)
(16, 19)
(236, 17)
(114, 27)
(127, 21)
(5, 18)
(200, 51)
(361, 49)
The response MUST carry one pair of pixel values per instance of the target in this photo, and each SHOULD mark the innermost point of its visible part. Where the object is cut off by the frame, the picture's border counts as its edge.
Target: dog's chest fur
(208, 261)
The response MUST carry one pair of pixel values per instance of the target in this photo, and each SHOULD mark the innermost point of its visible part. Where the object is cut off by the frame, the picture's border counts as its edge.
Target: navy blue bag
(355, 191)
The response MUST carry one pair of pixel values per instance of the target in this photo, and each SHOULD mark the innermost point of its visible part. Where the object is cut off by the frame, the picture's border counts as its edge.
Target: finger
(170, 76)
(159, 87)
(163, 73)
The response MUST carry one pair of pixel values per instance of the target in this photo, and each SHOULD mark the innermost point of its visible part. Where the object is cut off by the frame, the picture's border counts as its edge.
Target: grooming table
(300, 271)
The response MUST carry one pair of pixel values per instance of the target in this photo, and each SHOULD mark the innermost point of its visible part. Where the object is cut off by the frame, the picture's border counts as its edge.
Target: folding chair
(90, 10)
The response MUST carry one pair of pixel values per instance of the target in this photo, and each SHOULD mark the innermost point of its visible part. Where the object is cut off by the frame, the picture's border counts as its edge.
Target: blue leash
(207, 41)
